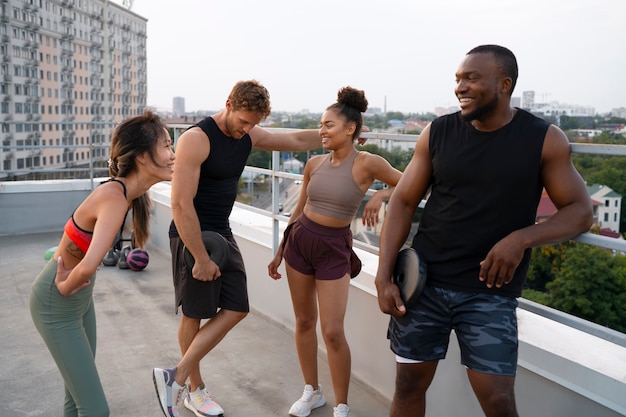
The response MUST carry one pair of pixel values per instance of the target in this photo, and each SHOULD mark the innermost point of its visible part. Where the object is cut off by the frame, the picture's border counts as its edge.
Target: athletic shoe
(342, 410)
(169, 393)
(202, 404)
(310, 399)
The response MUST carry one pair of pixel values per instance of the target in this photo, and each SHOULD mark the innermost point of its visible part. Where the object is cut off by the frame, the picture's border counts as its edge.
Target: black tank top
(485, 185)
(219, 178)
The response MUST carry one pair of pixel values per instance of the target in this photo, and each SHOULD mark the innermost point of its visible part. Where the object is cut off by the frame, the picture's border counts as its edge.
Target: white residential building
(610, 207)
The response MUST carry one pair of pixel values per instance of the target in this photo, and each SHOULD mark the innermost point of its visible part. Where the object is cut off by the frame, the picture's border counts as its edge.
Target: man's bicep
(417, 176)
(191, 152)
(561, 180)
(184, 183)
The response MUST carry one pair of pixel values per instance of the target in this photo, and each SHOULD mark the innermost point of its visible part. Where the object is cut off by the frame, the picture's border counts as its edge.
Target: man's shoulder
(193, 132)
(450, 119)
(525, 117)
(449, 116)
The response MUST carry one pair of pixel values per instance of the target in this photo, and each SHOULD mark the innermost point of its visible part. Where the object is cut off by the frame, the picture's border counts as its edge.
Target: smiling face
(163, 158)
(334, 130)
(480, 87)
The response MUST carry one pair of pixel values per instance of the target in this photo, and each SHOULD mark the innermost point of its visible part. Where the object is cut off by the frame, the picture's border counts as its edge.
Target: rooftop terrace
(567, 366)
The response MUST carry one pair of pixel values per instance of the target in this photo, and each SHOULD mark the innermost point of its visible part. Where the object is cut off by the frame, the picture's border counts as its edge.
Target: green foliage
(544, 262)
(395, 115)
(536, 296)
(308, 123)
(259, 158)
(615, 120)
(569, 123)
(397, 157)
(591, 284)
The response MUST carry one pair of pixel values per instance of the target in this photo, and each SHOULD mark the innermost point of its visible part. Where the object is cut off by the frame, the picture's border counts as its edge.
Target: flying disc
(216, 246)
(409, 274)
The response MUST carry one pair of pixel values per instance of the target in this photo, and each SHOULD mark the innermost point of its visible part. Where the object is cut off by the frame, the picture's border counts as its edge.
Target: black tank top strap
(118, 181)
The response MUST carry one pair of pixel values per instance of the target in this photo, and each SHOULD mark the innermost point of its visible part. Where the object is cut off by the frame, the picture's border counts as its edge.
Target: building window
(606, 217)
(606, 203)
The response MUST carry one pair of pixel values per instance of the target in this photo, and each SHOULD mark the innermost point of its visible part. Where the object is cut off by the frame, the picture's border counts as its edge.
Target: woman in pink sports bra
(317, 246)
(61, 301)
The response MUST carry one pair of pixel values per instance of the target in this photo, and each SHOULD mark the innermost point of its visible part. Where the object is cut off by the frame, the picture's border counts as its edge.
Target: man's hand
(206, 271)
(500, 264)
(389, 299)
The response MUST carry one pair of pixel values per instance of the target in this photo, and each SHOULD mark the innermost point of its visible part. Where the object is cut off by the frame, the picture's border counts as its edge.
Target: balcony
(567, 366)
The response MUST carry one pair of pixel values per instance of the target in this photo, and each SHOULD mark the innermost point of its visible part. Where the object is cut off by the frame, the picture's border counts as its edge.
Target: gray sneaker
(169, 393)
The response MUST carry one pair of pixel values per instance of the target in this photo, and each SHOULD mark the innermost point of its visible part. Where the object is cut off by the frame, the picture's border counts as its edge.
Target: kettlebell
(111, 258)
(121, 263)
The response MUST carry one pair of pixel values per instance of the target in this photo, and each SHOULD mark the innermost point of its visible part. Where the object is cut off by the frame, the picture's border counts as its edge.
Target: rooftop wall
(563, 370)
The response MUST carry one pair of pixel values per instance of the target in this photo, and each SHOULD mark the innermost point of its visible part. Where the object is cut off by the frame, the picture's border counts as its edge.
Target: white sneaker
(342, 410)
(202, 404)
(310, 399)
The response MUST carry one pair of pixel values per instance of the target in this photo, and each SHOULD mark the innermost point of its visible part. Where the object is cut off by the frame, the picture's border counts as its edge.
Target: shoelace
(204, 396)
(307, 395)
(179, 396)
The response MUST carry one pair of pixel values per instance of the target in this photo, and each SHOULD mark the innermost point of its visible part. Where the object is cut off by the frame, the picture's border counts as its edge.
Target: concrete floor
(253, 372)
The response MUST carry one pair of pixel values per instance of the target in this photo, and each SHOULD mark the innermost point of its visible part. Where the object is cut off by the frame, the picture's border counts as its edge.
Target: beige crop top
(332, 191)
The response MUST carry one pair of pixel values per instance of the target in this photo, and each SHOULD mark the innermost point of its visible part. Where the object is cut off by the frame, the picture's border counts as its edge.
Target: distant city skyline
(401, 53)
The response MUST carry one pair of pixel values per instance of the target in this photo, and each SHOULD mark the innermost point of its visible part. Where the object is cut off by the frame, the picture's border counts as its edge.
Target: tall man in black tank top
(486, 167)
(211, 157)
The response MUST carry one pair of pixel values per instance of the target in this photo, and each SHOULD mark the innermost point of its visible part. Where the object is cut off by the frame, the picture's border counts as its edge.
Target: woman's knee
(334, 337)
(306, 322)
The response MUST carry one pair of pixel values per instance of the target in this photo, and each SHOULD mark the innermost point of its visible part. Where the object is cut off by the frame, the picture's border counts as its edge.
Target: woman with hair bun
(61, 301)
(317, 246)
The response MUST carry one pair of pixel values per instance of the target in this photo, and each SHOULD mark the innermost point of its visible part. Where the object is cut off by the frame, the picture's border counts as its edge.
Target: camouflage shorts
(485, 326)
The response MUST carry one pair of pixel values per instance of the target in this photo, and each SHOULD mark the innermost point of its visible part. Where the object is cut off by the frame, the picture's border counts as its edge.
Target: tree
(395, 115)
(259, 158)
(591, 284)
(544, 260)
(568, 123)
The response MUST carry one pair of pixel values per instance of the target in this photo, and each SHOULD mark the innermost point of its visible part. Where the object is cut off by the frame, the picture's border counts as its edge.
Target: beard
(231, 131)
(481, 112)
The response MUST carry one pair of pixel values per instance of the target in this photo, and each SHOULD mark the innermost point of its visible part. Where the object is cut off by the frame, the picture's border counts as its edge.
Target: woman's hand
(372, 209)
(272, 268)
(60, 280)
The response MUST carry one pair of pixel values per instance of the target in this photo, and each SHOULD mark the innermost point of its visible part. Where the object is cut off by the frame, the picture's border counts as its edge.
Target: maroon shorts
(317, 250)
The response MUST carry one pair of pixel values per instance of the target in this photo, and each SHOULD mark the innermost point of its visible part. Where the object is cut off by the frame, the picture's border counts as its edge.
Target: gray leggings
(68, 327)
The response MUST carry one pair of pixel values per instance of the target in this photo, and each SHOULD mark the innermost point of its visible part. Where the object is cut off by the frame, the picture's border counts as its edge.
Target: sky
(402, 53)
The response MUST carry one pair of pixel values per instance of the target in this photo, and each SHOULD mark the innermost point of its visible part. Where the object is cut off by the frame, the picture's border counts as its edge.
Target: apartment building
(70, 70)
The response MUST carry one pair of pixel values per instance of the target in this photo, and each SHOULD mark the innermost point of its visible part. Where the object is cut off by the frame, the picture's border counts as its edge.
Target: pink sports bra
(82, 238)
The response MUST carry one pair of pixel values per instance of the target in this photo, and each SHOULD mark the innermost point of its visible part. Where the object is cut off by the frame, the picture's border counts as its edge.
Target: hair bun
(352, 97)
